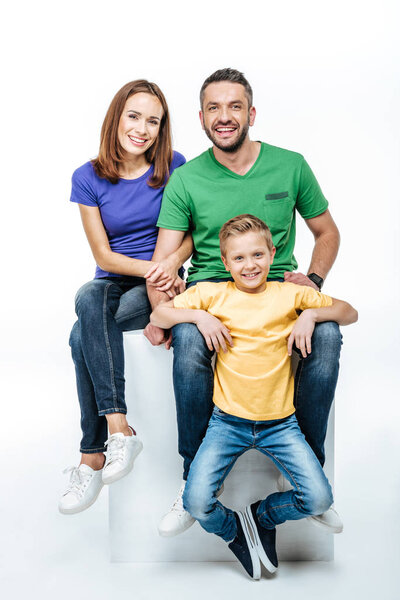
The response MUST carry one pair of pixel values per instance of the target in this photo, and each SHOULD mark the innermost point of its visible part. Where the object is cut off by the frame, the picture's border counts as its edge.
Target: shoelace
(77, 480)
(115, 450)
(178, 504)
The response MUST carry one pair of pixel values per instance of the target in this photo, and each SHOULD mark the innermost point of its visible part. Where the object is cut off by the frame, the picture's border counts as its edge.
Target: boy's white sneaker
(177, 520)
(329, 520)
(84, 487)
(120, 456)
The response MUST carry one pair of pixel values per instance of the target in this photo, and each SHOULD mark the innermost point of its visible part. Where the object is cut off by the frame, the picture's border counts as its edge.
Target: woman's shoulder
(177, 160)
(85, 185)
(83, 173)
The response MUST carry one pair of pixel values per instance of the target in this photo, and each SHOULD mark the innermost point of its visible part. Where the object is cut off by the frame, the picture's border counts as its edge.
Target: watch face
(316, 279)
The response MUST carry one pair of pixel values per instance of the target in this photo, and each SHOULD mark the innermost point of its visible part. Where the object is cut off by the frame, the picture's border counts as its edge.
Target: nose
(224, 114)
(249, 263)
(140, 126)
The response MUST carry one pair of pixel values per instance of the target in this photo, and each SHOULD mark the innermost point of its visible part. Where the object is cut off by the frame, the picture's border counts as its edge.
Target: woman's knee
(75, 341)
(90, 297)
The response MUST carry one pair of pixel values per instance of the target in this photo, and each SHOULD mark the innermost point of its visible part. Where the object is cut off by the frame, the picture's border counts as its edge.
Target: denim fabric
(315, 385)
(281, 440)
(105, 308)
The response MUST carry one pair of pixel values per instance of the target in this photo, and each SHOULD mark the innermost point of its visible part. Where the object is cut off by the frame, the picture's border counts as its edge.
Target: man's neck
(241, 161)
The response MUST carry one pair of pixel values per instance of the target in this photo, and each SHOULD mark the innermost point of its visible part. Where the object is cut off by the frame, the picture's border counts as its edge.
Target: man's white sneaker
(121, 453)
(84, 486)
(177, 520)
(329, 520)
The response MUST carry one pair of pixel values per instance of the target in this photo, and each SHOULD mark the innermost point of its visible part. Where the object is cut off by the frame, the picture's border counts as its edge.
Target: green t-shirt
(203, 194)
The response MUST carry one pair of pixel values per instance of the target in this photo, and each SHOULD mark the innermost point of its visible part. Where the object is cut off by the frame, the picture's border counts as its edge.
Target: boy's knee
(197, 502)
(317, 501)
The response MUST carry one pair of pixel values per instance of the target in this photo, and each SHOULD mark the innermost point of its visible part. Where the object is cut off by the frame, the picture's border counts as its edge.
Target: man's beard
(233, 147)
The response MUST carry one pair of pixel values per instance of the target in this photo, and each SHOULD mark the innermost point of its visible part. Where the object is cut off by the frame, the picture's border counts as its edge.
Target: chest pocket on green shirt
(278, 209)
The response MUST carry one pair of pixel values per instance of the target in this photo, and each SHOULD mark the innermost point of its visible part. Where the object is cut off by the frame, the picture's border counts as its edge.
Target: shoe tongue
(86, 469)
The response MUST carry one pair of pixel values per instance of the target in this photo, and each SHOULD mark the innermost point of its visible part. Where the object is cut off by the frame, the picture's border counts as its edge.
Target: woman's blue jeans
(193, 377)
(227, 438)
(105, 308)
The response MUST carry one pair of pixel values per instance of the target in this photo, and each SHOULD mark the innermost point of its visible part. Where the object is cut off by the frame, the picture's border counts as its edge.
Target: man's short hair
(243, 224)
(228, 75)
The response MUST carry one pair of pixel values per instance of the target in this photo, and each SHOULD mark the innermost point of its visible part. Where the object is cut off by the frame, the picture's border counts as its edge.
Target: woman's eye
(132, 116)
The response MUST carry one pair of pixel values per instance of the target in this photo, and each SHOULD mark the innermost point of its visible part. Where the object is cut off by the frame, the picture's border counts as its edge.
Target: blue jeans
(105, 308)
(193, 377)
(281, 440)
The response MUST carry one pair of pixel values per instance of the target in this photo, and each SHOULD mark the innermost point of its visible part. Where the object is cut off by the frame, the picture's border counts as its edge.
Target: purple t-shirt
(129, 209)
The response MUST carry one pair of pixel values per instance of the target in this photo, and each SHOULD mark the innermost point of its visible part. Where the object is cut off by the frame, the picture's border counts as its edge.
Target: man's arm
(327, 240)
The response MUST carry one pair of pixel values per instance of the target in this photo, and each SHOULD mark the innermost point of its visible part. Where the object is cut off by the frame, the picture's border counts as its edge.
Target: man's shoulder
(282, 153)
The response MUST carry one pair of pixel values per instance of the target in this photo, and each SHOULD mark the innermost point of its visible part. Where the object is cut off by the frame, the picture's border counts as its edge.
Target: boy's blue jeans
(193, 377)
(282, 441)
(105, 308)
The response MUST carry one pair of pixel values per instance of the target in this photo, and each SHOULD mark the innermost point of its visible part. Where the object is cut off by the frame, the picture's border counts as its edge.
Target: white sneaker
(177, 520)
(329, 520)
(84, 486)
(121, 453)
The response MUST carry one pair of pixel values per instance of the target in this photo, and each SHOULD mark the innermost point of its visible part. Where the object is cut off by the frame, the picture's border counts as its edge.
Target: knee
(327, 338)
(197, 502)
(188, 342)
(75, 341)
(318, 500)
(90, 297)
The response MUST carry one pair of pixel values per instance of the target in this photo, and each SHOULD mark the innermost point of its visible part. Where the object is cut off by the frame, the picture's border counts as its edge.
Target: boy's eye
(238, 257)
(258, 254)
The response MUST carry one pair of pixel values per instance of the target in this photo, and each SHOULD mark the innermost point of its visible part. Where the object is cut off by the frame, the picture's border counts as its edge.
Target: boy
(253, 325)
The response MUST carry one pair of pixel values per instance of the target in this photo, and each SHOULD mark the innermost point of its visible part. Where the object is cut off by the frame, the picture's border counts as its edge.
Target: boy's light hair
(243, 224)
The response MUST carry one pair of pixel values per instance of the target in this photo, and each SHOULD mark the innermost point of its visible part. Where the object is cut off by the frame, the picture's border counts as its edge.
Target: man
(238, 176)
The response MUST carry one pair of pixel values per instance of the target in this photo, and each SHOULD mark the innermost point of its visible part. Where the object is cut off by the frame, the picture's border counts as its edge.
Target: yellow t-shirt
(254, 379)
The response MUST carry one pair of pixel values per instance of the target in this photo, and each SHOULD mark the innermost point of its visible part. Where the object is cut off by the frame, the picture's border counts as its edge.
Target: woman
(119, 196)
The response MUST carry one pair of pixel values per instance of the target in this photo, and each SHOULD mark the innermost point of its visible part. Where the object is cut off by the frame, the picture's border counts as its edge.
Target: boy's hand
(214, 332)
(302, 332)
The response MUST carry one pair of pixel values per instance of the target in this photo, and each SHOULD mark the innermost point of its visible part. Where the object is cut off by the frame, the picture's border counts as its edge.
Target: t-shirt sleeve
(82, 189)
(177, 161)
(310, 201)
(175, 213)
(194, 297)
(307, 297)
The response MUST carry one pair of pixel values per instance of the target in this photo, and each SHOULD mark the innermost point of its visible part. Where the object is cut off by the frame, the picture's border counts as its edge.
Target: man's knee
(327, 338)
(189, 343)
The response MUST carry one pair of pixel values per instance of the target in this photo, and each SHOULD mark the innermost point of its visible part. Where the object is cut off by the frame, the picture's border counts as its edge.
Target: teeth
(222, 129)
(137, 140)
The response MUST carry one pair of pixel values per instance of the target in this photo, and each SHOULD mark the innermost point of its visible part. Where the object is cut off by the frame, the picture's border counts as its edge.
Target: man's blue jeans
(193, 377)
(105, 308)
(281, 440)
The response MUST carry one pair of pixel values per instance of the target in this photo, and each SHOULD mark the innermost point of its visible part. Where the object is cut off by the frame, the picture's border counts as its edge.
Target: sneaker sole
(113, 478)
(78, 509)
(259, 547)
(328, 528)
(174, 532)
(255, 561)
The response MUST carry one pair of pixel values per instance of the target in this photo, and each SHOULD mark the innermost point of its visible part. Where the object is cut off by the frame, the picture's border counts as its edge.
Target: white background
(325, 77)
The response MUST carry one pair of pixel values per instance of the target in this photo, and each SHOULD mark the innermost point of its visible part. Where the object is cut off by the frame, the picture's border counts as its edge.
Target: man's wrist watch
(316, 279)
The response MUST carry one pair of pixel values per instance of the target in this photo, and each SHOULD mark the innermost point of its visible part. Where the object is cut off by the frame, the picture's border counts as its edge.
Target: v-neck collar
(232, 173)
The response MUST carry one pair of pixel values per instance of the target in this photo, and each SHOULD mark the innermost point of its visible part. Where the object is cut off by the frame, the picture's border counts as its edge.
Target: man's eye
(237, 106)
(212, 108)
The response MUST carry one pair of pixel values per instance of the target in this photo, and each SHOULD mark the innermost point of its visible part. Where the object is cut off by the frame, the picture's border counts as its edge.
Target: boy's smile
(248, 259)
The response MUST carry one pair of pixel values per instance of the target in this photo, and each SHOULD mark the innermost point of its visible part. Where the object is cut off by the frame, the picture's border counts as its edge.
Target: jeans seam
(92, 449)
(108, 411)
(234, 458)
(108, 346)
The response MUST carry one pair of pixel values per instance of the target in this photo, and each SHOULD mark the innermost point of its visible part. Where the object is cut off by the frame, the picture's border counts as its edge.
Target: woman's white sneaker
(121, 453)
(84, 487)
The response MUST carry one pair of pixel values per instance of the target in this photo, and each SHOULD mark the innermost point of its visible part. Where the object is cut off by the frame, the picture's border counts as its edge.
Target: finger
(209, 343)
(308, 344)
(164, 285)
(168, 341)
(158, 273)
(228, 336)
(170, 294)
(221, 341)
(215, 343)
(301, 347)
(151, 270)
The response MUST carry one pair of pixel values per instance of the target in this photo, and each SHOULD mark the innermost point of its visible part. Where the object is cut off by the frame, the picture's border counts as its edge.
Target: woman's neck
(134, 167)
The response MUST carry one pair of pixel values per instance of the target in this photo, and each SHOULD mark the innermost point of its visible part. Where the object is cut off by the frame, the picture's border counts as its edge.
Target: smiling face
(139, 123)
(225, 115)
(248, 259)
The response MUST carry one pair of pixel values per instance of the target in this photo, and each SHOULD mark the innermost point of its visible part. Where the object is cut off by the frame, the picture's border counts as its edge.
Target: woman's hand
(214, 332)
(302, 332)
(162, 274)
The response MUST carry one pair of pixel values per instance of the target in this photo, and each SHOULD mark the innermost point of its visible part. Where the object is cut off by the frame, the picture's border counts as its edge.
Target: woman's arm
(170, 265)
(214, 332)
(103, 255)
(341, 312)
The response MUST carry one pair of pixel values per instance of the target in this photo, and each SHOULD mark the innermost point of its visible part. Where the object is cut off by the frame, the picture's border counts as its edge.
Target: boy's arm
(216, 335)
(341, 312)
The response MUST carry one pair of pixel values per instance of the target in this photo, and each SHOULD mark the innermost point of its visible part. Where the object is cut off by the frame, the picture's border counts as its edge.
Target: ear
(252, 116)
(201, 118)
(225, 263)
(272, 254)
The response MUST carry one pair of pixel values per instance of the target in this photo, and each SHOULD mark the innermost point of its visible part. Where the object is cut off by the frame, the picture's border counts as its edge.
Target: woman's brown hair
(111, 153)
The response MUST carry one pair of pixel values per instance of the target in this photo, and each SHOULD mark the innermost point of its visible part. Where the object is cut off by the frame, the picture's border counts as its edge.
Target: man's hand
(302, 333)
(299, 279)
(214, 332)
(158, 336)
